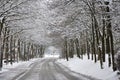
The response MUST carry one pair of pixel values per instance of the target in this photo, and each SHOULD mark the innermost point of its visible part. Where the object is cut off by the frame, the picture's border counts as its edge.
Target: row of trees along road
(98, 40)
(12, 47)
(91, 23)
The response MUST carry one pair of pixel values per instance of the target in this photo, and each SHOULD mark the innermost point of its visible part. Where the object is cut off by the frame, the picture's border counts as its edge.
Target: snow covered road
(45, 69)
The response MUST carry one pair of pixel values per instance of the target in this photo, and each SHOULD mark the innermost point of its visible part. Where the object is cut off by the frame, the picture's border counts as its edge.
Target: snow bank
(16, 64)
(88, 67)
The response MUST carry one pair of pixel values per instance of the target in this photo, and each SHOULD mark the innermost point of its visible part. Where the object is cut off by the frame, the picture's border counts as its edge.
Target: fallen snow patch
(50, 55)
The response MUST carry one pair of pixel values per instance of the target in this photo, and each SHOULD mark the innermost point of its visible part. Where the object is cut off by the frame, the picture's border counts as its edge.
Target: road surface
(46, 69)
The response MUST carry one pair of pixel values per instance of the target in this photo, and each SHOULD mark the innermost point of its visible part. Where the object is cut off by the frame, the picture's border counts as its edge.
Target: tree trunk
(66, 52)
(1, 44)
(93, 39)
(77, 47)
(11, 49)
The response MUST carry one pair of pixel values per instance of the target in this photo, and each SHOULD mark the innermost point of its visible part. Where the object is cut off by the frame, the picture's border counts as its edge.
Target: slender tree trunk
(0, 53)
(19, 51)
(88, 52)
(66, 52)
(110, 37)
(112, 47)
(7, 45)
(103, 41)
(1, 45)
(11, 49)
(77, 47)
(24, 55)
(93, 39)
(14, 46)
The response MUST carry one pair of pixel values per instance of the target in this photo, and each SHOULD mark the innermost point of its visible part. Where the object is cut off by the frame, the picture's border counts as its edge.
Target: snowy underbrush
(23, 64)
(88, 67)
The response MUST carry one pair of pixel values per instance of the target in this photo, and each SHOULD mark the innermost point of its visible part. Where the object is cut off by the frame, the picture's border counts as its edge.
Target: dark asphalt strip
(46, 72)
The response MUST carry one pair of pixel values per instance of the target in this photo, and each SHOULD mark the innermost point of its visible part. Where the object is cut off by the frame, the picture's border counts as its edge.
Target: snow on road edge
(88, 67)
(16, 64)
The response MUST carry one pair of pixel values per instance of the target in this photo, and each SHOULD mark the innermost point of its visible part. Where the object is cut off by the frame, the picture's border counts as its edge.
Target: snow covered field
(88, 67)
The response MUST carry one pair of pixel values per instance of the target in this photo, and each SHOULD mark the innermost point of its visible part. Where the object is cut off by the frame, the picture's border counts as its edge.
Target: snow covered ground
(85, 66)
(25, 63)
(88, 67)
(16, 64)
(43, 69)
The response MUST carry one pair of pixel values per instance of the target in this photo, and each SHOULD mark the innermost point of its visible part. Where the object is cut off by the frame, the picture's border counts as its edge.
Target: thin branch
(13, 8)
(19, 19)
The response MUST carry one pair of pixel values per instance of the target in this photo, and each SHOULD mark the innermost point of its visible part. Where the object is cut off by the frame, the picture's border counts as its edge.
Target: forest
(78, 27)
